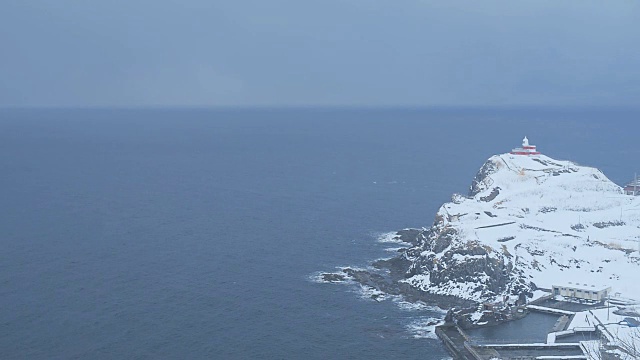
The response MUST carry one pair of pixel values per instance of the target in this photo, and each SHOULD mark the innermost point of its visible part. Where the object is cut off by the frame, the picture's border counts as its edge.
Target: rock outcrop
(526, 223)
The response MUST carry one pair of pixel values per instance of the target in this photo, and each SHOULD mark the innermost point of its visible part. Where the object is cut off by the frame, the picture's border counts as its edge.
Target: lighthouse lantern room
(526, 149)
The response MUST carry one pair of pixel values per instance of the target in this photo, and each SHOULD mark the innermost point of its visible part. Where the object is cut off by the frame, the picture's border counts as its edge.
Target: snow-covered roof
(581, 286)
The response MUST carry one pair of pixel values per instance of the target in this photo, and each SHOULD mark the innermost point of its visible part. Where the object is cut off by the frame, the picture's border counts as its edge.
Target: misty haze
(340, 179)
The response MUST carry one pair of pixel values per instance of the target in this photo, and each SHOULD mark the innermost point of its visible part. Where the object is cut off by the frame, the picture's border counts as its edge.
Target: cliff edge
(528, 222)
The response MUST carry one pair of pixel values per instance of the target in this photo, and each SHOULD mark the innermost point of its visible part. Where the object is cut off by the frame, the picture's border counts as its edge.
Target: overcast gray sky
(320, 52)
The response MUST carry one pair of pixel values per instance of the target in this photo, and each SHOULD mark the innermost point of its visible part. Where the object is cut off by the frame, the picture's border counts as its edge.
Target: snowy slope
(531, 221)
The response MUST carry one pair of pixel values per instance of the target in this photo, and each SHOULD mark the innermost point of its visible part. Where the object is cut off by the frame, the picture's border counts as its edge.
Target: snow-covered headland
(529, 222)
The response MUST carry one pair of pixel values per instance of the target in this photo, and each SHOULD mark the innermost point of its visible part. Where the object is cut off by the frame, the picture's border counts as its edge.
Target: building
(633, 188)
(582, 291)
(526, 149)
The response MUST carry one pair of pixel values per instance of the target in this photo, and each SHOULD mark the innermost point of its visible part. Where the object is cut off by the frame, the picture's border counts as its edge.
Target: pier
(455, 341)
(539, 335)
(462, 347)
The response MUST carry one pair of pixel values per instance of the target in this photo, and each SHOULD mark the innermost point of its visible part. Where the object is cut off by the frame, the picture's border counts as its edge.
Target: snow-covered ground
(623, 339)
(553, 221)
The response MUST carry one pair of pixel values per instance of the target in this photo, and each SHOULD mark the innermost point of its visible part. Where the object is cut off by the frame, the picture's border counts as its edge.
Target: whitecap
(417, 306)
(371, 293)
(424, 328)
(389, 237)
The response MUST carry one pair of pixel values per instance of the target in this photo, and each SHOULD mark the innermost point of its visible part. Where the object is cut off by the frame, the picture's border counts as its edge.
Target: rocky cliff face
(527, 222)
(460, 268)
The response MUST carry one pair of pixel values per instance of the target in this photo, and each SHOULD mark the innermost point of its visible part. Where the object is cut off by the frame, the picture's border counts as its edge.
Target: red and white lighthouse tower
(526, 149)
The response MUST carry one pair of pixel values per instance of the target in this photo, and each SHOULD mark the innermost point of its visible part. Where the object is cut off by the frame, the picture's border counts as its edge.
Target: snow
(476, 316)
(463, 258)
(532, 345)
(591, 348)
(459, 289)
(617, 333)
(582, 285)
(545, 309)
(557, 222)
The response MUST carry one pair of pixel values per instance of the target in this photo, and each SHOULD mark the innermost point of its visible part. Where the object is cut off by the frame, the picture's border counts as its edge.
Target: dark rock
(578, 227)
(410, 293)
(522, 299)
(602, 225)
(331, 277)
(411, 236)
(494, 193)
(478, 184)
(443, 240)
(397, 266)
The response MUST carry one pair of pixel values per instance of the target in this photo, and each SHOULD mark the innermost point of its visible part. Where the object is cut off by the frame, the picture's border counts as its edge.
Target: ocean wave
(371, 293)
(389, 238)
(417, 306)
(424, 327)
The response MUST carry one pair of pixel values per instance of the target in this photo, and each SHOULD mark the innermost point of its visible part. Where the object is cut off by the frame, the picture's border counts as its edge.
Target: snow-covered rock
(529, 222)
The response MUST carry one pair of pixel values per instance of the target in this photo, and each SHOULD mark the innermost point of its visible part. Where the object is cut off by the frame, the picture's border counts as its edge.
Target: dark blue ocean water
(195, 233)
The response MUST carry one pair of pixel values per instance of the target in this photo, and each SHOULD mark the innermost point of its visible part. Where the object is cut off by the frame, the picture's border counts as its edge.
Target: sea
(201, 233)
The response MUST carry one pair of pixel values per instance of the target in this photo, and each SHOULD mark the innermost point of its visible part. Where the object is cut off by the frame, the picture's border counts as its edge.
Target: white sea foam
(424, 328)
(390, 237)
(317, 277)
(417, 306)
(409, 306)
(370, 293)
(355, 268)
(394, 249)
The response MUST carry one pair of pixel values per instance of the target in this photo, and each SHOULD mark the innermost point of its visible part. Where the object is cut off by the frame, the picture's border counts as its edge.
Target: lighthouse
(526, 149)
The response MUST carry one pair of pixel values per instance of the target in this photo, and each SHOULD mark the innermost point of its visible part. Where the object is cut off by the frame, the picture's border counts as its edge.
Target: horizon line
(322, 107)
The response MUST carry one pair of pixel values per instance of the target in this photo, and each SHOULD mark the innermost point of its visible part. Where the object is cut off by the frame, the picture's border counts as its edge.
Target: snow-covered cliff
(529, 221)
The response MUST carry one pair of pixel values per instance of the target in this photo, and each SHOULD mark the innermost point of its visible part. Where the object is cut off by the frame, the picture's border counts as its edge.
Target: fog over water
(327, 53)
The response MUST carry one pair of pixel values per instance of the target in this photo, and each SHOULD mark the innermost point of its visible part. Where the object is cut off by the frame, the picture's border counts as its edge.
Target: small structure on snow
(526, 149)
(633, 188)
(582, 291)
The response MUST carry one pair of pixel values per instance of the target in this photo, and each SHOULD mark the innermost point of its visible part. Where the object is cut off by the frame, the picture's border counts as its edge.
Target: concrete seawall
(455, 341)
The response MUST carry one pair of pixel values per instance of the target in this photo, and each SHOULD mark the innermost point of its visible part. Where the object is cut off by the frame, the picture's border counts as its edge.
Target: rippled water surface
(198, 233)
